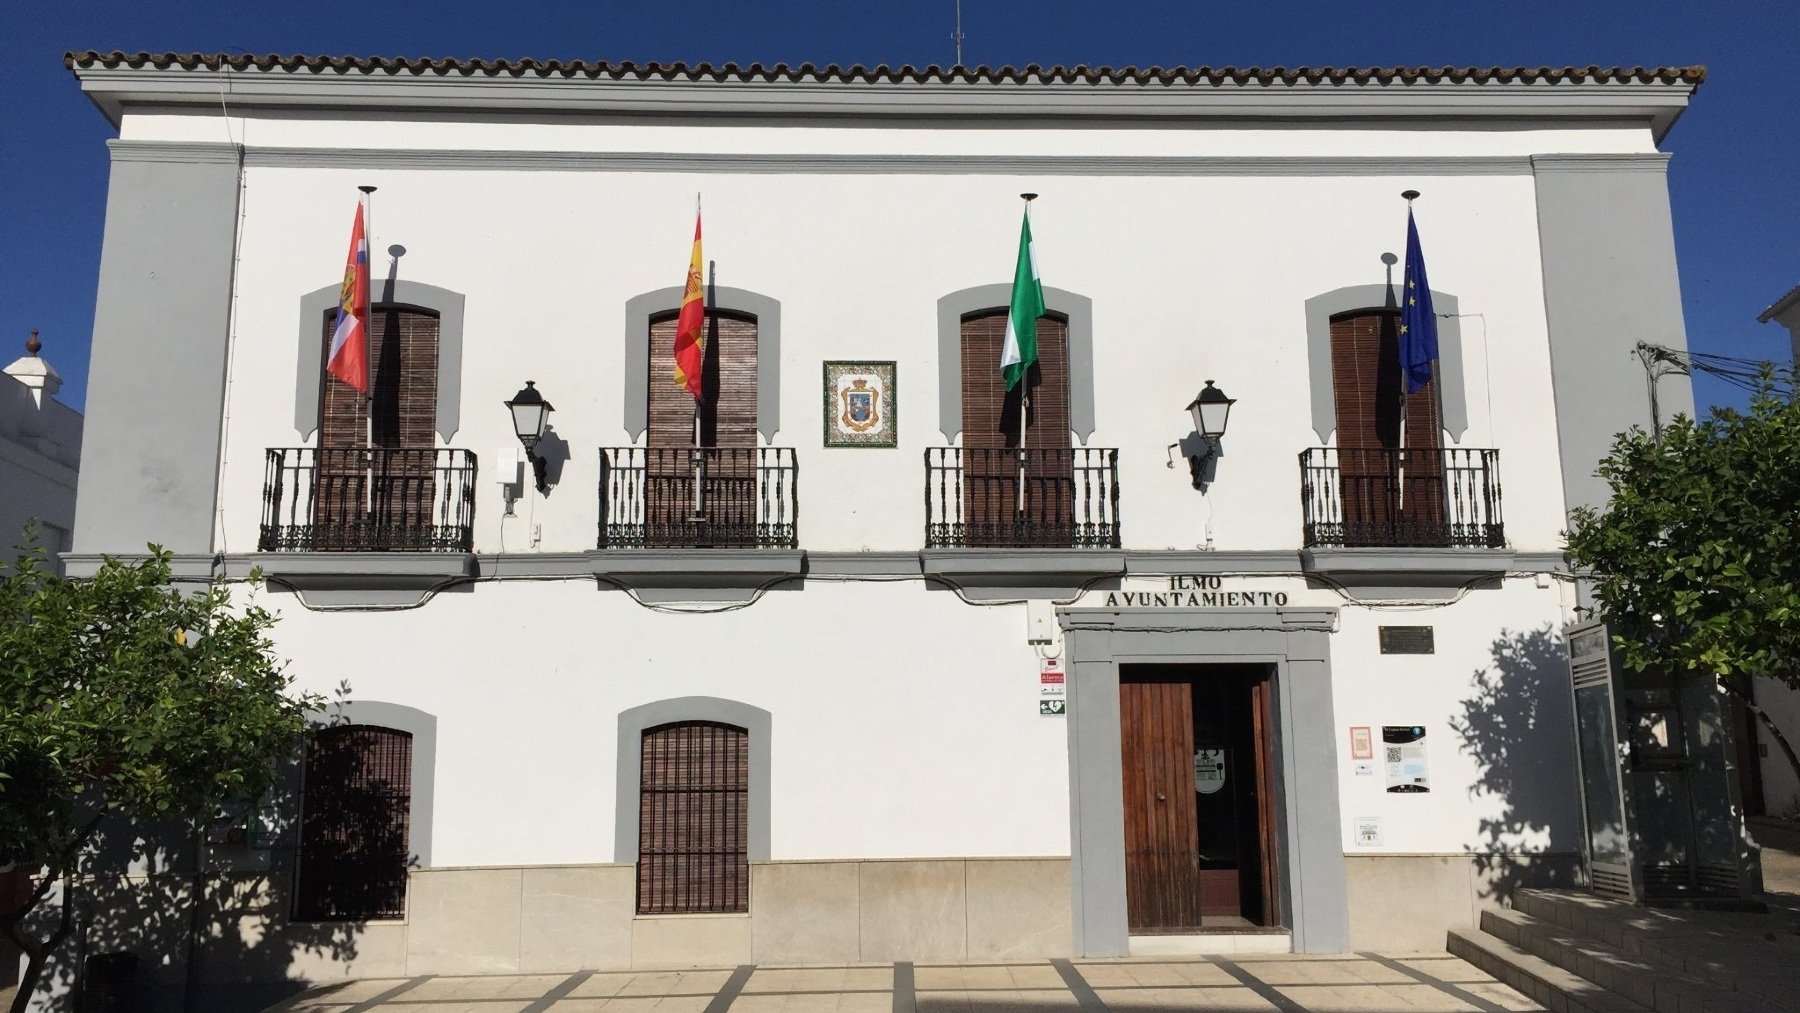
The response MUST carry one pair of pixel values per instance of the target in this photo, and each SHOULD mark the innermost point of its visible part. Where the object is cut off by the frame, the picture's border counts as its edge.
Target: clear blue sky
(1735, 178)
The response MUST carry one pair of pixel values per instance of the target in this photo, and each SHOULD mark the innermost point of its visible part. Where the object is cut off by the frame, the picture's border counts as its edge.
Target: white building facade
(876, 699)
(40, 449)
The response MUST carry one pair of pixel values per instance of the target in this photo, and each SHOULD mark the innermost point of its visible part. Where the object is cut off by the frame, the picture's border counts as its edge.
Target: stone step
(1641, 981)
(1548, 985)
(1744, 952)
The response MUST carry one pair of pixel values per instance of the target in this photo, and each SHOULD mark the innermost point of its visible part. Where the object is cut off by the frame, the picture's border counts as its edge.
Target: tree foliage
(1693, 561)
(123, 696)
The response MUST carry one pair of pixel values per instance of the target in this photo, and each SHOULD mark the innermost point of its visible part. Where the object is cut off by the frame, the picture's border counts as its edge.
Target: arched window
(991, 418)
(355, 816)
(1390, 468)
(377, 456)
(694, 819)
(727, 420)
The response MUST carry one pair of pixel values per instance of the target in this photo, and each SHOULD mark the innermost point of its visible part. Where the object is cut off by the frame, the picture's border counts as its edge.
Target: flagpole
(368, 202)
(712, 269)
(1024, 401)
(1409, 196)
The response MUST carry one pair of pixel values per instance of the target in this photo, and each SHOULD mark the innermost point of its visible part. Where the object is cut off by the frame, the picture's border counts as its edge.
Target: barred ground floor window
(694, 819)
(354, 825)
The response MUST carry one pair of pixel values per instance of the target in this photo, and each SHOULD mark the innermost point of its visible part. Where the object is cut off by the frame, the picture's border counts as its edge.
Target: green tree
(1695, 560)
(124, 697)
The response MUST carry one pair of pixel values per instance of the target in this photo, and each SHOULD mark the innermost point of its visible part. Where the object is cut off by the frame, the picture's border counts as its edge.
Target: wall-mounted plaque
(860, 405)
(1407, 640)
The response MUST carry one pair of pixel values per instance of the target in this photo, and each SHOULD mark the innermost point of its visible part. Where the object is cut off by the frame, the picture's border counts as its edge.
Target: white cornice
(1656, 104)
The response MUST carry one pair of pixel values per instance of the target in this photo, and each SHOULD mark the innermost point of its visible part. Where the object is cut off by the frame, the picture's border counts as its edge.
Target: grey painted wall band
(309, 369)
(640, 308)
(1453, 405)
(1607, 246)
(156, 383)
(755, 162)
(628, 767)
(1297, 643)
(423, 729)
(1079, 310)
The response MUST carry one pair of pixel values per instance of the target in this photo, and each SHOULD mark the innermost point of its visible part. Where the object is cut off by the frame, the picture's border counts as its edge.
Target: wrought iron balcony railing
(1008, 498)
(1401, 498)
(683, 498)
(361, 499)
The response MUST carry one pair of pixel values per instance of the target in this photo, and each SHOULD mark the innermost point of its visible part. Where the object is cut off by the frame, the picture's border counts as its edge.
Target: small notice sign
(1368, 831)
(1362, 743)
(1053, 688)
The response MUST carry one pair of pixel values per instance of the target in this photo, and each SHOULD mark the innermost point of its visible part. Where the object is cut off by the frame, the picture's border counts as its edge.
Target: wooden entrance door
(1199, 798)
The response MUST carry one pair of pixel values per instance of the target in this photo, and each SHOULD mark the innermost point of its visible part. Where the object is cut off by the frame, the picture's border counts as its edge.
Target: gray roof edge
(1781, 305)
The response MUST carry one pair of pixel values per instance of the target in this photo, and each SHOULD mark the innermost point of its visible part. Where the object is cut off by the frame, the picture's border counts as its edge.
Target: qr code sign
(1393, 754)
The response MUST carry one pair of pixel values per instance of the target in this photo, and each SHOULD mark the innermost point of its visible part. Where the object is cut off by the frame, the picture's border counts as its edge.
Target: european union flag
(1418, 323)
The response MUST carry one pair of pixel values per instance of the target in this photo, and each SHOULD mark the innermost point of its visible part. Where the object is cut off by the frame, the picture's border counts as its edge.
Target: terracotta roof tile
(884, 74)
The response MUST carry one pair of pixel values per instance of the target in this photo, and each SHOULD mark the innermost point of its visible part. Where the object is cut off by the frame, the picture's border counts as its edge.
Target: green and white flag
(1020, 349)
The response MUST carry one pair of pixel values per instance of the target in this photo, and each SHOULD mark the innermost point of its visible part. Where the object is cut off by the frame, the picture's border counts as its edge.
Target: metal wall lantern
(531, 413)
(1211, 410)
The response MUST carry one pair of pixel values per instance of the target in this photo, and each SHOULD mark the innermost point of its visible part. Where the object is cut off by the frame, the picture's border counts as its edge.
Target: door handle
(1160, 797)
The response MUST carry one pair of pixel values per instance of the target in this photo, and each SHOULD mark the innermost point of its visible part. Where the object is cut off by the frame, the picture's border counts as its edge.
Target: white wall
(1192, 278)
(39, 449)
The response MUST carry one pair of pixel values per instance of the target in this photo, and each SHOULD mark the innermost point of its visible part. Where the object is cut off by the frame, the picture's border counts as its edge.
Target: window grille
(354, 823)
(693, 819)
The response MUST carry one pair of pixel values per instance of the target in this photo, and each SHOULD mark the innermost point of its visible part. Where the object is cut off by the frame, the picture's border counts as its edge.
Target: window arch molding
(632, 725)
(1452, 397)
(1077, 309)
(448, 306)
(422, 727)
(639, 310)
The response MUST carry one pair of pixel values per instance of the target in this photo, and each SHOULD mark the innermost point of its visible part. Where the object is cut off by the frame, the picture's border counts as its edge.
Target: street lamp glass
(1211, 410)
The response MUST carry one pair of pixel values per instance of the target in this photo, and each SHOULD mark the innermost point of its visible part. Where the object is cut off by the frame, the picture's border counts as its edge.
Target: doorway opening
(1199, 793)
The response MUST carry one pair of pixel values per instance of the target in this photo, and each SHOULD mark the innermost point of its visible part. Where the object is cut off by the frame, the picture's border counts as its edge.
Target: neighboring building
(1786, 312)
(592, 728)
(40, 449)
(1778, 784)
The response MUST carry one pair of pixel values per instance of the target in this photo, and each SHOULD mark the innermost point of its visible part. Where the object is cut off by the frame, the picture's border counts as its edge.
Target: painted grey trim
(1453, 407)
(1607, 162)
(1657, 102)
(1009, 574)
(767, 311)
(448, 305)
(628, 767)
(422, 726)
(501, 160)
(1297, 643)
(201, 152)
(1607, 247)
(156, 382)
(1077, 308)
(695, 568)
(863, 564)
(1410, 562)
(350, 580)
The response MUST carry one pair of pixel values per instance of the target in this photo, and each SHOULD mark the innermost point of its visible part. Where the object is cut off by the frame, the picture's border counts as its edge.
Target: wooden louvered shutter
(728, 420)
(1366, 385)
(400, 414)
(355, 825)
(694, 819)
(990, 423)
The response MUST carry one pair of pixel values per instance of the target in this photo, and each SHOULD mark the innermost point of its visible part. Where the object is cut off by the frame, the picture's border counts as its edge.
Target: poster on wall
(1053, 693)
(1406, 766)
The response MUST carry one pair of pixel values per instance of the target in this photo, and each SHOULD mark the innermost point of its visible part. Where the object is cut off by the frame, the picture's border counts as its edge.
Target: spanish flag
(690, 326)
(349, 358)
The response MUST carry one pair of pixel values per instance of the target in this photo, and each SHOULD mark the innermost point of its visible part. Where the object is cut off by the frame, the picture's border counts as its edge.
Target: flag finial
(1409, 195)
(32, 344)
(1029, 197)
(368, 189)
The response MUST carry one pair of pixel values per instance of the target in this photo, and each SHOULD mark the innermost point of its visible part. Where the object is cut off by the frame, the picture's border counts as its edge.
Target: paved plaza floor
(1343, 983)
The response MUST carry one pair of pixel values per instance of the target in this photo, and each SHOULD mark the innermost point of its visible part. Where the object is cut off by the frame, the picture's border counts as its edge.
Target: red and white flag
(349, 357)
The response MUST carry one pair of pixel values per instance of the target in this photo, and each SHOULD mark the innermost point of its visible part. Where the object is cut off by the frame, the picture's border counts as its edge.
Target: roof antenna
(957, 35)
